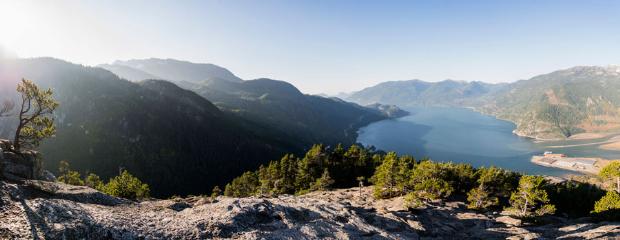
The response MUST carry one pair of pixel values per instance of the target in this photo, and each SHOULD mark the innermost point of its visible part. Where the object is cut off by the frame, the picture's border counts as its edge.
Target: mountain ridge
(275, 104)
(554, 105)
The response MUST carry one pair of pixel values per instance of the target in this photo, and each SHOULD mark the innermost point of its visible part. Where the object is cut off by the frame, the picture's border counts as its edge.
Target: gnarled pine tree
(35, 124)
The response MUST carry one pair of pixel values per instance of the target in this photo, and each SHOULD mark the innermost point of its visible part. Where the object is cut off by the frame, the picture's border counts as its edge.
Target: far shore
(611, 144)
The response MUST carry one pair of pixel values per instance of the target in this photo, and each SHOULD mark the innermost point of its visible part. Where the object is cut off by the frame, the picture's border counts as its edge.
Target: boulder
(47, 176)
(19, 166)
(509, 220)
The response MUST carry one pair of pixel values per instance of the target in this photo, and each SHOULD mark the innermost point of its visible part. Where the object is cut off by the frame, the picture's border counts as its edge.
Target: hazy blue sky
(325, 46)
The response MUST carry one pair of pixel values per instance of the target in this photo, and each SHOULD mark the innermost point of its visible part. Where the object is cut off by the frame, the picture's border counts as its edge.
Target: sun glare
(17, 23)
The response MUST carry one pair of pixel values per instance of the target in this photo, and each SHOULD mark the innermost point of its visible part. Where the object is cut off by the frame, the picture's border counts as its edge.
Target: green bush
(610, 202)
(94, 181)
(69, 176)
(127, 186)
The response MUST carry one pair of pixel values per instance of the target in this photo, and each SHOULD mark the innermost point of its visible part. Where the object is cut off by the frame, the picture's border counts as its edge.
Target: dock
(578, 164)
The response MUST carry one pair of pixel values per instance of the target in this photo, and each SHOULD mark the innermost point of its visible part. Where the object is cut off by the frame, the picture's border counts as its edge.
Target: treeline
(321, 168)
(424, 181)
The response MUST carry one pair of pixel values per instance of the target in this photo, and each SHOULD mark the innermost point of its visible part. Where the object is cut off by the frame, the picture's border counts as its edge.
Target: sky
(325, 46)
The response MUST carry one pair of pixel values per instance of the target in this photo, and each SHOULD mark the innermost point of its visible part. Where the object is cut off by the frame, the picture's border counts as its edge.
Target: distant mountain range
(174, 138)
(550, 106)
(420, 93)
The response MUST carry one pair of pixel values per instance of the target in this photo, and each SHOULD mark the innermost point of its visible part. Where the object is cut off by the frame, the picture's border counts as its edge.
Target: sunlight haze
(325, 46)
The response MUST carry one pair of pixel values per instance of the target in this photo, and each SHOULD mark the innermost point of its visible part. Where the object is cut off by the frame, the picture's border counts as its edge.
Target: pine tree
(127, 186)
(405, 168)
(264, 179)
(35, 121)
(324, 182)
(531, 199)
(287, 171)
(303, 178)
(94, 181)
(429, 180)
(216, 192)
(610, 202)
(479, 198)
(228, 191)
(69, 176)
(385, 177)
(612, 171)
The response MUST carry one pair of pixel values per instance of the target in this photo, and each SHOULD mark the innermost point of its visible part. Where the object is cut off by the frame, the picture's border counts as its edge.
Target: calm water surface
(462, 135)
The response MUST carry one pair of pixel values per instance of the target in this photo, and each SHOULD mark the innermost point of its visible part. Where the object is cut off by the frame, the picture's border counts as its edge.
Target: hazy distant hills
(128, 73)
(555, 105)
(175, 70)
(173, 138)
(421, 93)
(277, 105)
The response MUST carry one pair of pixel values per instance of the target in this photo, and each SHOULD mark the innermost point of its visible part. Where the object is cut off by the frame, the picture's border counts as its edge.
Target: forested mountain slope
(177, 141)
(549, 106)
(281, 108)
(562, 103)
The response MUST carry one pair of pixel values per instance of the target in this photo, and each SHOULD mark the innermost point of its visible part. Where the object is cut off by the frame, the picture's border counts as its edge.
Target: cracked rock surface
(45, 210)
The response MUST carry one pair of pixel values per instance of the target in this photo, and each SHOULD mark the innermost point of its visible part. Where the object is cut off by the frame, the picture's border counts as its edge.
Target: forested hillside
(175, 140)
(277, 105)
(562, 103)
(549, 106)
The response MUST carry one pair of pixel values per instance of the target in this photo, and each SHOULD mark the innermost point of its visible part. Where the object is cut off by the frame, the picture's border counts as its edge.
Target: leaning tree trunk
(16, 144)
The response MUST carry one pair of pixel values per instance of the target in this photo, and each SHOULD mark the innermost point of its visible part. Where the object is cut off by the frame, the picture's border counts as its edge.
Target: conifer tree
(216, 192)
(609, 202)
(612, 171)
(385, 177)
(228, 191)
(429, 180)
(304, 177)
(479, 198)
(69, 176)
(126, 185)
(324, 182)
(35, 122)
(287, 174)
(264, 179)
(531, 199)
(94, 181)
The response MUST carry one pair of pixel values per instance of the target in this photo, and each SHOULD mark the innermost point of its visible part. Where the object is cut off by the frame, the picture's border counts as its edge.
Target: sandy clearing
(584, 136)
(614, 146)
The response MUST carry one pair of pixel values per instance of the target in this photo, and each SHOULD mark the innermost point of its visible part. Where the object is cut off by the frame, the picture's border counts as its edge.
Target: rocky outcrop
(20, 166)
(36, 209)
